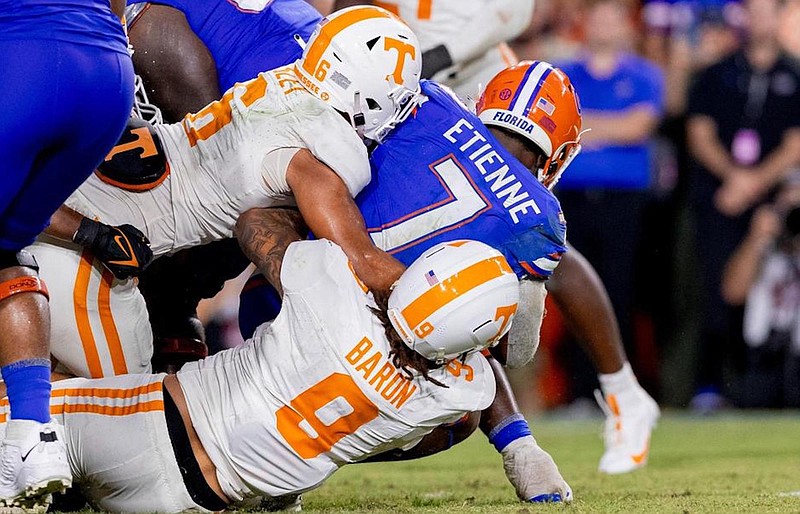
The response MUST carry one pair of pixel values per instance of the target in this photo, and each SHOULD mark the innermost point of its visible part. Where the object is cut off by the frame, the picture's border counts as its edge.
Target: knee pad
(23, 283)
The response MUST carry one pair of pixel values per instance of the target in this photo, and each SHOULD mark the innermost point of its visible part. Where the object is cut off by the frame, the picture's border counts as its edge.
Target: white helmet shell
(457, 297)
(366, 63)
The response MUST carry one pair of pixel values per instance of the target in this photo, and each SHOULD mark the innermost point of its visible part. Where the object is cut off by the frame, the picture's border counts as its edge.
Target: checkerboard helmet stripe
(366, 63)
(537, 101)
(456, 297)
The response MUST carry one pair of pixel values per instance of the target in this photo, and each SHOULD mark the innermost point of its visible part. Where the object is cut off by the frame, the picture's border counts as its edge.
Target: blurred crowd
(686, 197)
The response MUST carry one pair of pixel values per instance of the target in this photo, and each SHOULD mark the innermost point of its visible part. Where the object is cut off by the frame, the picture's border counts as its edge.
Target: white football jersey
(473, 31)
(222, 162)
(315, 389)
(435, 22)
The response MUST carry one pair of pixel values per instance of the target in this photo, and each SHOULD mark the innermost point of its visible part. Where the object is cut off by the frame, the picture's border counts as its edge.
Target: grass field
(732, 463)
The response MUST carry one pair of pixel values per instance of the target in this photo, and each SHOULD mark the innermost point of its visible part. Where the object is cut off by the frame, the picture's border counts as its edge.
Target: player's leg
(631, 413)
(531, 470)
(46, 158)
(99, 324)
(119, 442)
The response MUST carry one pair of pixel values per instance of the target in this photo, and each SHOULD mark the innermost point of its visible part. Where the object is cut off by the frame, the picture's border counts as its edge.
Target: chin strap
(358, 121)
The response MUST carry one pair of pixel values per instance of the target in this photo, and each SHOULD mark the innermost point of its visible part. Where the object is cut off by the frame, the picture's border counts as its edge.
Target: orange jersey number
(209, 120)
(424, 8)
(306, 407)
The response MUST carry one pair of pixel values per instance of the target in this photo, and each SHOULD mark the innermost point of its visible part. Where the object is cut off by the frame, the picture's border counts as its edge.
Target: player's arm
(523, 337)
(441, 438)
(124, 249)
(330, 213)
(265, 234)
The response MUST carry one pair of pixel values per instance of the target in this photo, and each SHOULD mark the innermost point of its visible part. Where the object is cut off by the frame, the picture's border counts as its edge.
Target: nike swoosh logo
(127, 249)
(24, 457)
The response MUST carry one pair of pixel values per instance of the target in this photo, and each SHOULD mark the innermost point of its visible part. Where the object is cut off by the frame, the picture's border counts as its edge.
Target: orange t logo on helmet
(403, 49)
(537, 101)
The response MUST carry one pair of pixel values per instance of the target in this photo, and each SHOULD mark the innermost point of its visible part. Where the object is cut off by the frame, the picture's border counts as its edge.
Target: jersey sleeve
(334, 142)
(308, 263)
(536, 252)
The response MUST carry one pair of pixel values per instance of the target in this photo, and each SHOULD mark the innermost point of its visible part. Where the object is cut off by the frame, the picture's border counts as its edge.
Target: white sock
(619, 382)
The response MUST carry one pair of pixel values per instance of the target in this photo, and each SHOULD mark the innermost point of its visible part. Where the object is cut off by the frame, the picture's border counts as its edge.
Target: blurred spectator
(744, 133)
(554, 33)
(604, 191)
(684, 36)
(789, 32)
(764, 272)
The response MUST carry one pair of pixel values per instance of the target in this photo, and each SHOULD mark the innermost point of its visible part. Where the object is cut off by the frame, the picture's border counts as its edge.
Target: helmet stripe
(333, 26)
(539, 84)
(528, 88)
(451, 288)
(520, 88)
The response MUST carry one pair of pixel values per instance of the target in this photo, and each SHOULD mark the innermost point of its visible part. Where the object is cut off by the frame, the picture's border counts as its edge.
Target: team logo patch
(505, 94)
(546, 106)
(431, 277)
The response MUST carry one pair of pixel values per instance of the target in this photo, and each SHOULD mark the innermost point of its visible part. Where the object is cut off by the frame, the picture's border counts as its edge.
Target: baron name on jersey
(387, 380)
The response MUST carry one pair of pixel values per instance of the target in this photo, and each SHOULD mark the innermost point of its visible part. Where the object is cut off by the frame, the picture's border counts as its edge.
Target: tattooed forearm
(264, 235)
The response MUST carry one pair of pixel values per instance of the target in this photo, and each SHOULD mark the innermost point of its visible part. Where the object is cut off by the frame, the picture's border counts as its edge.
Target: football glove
(124, 250)
(533, 473)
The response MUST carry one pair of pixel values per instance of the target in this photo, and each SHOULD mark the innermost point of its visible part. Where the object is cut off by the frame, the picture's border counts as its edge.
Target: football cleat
(630, 419)
(34, 464)
(533, 473)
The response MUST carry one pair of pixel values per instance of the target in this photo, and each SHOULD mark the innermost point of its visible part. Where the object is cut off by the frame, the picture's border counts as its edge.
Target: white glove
(534, 473)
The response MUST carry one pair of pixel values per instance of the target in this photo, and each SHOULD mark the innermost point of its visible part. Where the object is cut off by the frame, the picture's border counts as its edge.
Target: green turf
(733, 463)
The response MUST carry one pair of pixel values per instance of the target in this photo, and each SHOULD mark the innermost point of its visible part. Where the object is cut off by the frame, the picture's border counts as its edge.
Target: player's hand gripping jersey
(441, 175)
(324, 359)
(204, 172)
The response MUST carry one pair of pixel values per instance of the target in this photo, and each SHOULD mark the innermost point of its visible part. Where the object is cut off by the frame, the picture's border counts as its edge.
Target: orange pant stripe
(109, 327)
(80, 296)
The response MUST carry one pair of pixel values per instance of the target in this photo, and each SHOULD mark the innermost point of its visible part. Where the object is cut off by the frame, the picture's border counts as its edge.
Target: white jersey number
(465, 203)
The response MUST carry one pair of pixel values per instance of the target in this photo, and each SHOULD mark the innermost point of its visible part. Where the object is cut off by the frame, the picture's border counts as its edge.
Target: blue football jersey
(83, 22)
(246, 37)
(441, 175)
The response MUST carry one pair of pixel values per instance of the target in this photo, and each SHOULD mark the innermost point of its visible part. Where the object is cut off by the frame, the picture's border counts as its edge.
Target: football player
(67, 87)
(293, 135)
(473, 180)
(450, 33)
(443, 174)
(341, 375)
(463, 41)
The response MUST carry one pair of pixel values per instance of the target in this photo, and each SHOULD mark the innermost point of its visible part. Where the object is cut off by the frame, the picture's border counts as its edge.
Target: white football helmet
(456, 297)
(366, 63)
